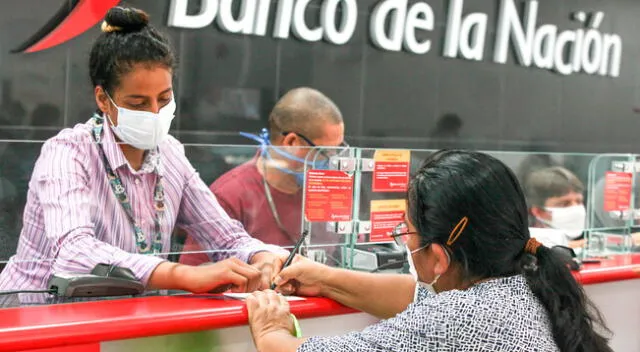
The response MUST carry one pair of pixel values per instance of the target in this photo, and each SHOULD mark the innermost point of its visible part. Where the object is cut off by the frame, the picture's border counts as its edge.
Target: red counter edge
(234, 313)
(95, 331)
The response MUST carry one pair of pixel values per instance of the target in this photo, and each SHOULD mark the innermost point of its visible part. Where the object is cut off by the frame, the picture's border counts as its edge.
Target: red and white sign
(328, 196)
(617, 191)
(391, 171)
(385, 216)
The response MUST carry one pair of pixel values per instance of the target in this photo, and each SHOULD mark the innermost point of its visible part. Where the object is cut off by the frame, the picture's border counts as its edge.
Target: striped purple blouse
(72, 220)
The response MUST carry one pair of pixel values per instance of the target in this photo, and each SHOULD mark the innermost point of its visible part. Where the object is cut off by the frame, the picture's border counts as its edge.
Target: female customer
(480, 282)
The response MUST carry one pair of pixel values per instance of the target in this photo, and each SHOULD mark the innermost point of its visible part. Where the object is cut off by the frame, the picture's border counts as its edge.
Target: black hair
(555, 181)
(127, 39)
(454, 184)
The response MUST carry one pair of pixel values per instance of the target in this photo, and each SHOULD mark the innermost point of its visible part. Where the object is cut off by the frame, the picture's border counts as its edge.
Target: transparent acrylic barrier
(16, 164)
(236, 174)
(379, 201)
(611, 214)
(85, 200)
(328, 189)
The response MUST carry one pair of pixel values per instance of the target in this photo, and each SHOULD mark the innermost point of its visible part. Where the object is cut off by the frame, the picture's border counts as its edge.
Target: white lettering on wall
(404, 21)
(284, 15)
(403, 25)
(300, 28)
(510, 27)
(178, 14)
(338, 18)
(544, 43)
(465, 36)
(570, 51)
(244, 23)
(348, 21)
(262, 18)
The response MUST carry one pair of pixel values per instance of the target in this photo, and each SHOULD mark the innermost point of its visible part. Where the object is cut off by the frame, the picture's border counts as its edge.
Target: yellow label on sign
(385, 216)
(388, 205)
(392, 155)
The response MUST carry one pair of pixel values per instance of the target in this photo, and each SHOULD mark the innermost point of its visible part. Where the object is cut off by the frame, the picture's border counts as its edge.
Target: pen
(293, 253)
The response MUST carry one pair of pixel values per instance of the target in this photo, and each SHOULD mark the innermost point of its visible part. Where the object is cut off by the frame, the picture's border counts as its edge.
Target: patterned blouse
(496, 315)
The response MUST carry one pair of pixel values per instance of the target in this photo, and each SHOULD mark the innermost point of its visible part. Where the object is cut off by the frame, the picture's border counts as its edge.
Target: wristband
(297, 332)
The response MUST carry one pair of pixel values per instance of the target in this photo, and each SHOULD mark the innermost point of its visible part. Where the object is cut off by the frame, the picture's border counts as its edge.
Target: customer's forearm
(381, 295)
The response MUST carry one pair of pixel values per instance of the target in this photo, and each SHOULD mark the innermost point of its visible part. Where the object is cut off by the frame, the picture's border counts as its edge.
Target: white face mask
(143, 129)
(569, 219)
(414, 273)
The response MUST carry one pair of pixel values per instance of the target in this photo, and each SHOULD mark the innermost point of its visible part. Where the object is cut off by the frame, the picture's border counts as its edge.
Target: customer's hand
(269, 265)
(268, 313)
(303, 277)
(230, 274)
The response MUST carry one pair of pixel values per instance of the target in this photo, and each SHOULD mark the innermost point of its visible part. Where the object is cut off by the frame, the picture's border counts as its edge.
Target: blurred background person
(555, 201)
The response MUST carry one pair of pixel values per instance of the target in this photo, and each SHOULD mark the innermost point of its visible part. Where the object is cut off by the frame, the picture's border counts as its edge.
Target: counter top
(615, 268)
(35, 327)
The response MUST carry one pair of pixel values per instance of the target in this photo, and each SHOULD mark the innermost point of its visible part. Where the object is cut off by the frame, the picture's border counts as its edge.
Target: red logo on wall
(74, 18)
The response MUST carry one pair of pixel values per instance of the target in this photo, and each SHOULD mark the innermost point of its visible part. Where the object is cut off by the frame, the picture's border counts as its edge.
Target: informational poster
(385, 216)
(617, 191)
(328, 196)
(391, 170)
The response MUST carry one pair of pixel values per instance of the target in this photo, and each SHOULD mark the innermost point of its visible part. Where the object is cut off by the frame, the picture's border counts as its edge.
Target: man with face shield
(555, 200)
(265, 194)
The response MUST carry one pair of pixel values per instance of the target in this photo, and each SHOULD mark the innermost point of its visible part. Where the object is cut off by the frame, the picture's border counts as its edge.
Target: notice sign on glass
(385, 216)
(328, 196)
(617, 191)
(391, 170)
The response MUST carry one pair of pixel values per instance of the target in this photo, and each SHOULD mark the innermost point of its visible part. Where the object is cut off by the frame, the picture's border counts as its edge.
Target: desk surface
(616, 268)
(90, 322)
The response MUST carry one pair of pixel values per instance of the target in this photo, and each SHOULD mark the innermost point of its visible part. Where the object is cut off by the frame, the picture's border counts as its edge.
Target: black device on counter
(105, 280)
(377, 257)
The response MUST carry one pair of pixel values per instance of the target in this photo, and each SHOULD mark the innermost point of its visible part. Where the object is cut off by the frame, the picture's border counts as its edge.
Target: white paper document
(243, 296)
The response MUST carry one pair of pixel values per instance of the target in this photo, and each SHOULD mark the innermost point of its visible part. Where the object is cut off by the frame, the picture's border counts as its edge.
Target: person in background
(265, 194)
(479, 282)
(112, 190)
(555, 200)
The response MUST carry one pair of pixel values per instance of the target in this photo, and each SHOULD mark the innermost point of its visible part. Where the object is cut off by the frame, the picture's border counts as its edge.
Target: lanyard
(272, 204)
(121, 195)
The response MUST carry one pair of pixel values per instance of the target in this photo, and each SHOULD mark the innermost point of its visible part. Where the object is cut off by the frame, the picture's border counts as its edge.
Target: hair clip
(107, 28)
(457, 231)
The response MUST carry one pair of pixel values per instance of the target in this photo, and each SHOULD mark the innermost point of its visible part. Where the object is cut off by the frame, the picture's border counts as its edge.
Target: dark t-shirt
(241, 194)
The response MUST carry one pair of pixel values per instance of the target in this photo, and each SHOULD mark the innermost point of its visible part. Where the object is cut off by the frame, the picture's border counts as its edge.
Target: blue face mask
(266, 146)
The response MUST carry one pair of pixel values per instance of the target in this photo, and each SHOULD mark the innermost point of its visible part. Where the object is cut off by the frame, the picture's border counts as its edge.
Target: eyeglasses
(324, 153)
(398, 233)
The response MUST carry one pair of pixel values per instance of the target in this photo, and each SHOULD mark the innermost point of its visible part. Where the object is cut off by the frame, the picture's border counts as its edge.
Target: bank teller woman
(112, 190)
(480, 283)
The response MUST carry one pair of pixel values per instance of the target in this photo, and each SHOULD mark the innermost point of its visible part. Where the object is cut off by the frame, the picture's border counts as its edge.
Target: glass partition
(16, 164)
(328, 203)
(612, 207)
(549, 180)
(348, 200)
(75, 216)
